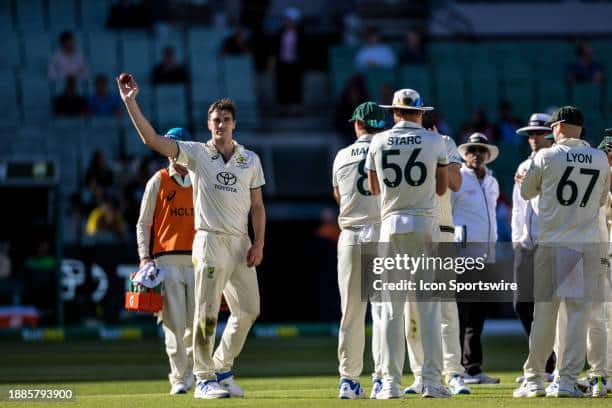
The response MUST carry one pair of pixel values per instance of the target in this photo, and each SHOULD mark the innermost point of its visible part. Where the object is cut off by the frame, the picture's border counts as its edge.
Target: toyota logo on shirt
(226, 178)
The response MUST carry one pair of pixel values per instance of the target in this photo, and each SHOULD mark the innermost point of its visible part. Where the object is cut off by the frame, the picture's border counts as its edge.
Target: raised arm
(128, 91)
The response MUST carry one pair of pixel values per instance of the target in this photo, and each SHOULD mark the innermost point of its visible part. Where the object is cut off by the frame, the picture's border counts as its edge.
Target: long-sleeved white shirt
(147, 209)
(525, 223)
(572, 181)
(474, 206)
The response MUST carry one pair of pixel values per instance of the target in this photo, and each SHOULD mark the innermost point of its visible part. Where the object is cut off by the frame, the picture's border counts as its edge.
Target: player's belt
(446, 228)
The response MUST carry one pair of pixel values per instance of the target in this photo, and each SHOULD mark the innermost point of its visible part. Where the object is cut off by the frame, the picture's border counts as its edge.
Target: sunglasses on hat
(477, 149)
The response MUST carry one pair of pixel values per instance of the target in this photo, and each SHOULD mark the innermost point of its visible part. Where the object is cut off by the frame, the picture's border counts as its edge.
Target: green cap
(567, 114)
(371, 114)
(606, 143)
(550, 136)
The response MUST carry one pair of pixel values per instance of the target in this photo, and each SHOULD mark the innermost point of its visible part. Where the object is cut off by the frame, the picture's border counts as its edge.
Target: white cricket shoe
(210, 389)
(529, 389)
(457, 387)
(389, 390)
(415, 388)
(376, 387)
(547, 376)
(598, 387)
(226, 381)
(433, 390)
(566, 391)
(178, 388)
(350, 390)
(552, 388)
(480, 378)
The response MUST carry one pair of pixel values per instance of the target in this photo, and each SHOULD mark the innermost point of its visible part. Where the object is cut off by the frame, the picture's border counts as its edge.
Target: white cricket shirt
(358, 207)
(222, 191)
(405, 159)
(572, 181)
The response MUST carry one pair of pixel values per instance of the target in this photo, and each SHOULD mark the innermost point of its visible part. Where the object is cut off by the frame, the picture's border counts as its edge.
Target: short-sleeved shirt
(445, 211)
(221, 190)
(405, 159)
(358, 207)
(572, 181)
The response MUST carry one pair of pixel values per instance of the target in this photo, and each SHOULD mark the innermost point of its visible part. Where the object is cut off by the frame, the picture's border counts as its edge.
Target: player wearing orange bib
(165, 232)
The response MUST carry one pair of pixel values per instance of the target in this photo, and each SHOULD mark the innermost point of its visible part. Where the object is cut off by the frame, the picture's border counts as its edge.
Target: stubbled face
(476, 157)
(221, 125)
(537, 140)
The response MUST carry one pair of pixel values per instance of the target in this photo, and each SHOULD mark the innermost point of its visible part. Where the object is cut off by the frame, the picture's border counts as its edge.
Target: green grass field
(296, 372)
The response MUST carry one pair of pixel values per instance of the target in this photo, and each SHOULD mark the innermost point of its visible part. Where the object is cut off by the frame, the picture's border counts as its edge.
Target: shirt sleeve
(370, 158)
(519, 208)
(451, 150)
(443, 155)
(258, 179)
(187, 152)
(334, 168)
(603, 200)
(530, 186)
(145, 219)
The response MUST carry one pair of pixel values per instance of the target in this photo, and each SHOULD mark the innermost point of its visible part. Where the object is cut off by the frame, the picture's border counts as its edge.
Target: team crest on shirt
(211, 272)
(241, 160)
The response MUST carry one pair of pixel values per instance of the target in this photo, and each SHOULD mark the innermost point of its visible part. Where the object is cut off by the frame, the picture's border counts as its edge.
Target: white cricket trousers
(220, 268)
(393, 342)
(449, 320)
(351, 334)
(177, 314)
(571, 334)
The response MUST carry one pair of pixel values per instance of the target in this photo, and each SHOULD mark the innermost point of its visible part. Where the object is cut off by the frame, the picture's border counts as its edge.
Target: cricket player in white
(227, 181)
(525, 226)
(572, 181)
(359, 220)
(407, 166)
(449, 318)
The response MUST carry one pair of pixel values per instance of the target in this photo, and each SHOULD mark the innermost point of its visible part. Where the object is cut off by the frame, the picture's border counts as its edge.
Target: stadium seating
(36, 97)
(102, 53)
(517, 86)
(30, 16)
(239, 84)
(37, 51)
(417, 77)
(135, 54)
(10, 57)
(94, 14)
(63, 15)
(8, 90)
(482, 76)
(170, 105)
(587, 96)
(450, 93)
(377, 79)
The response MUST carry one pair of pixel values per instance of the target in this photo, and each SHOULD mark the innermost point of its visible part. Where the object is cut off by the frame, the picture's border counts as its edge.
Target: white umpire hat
(407, 99)
(537, 122)
(478, 139)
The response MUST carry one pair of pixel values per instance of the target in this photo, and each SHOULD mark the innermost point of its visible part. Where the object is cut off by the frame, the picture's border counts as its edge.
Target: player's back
(574, 182)
(358, 207)
(406, 158)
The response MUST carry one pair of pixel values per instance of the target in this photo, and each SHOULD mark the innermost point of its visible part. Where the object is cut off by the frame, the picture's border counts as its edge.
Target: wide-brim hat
(537, 122)
(407, 99)
(478, 139)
